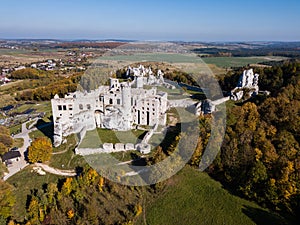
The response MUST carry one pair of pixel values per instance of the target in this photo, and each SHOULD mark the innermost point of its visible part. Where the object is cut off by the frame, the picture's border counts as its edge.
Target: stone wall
(106, 148)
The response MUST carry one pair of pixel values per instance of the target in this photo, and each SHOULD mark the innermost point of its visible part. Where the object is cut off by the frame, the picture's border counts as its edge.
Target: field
(9, 56)
(155, 57)
(192, 197)
(177, 60)
(227, 62)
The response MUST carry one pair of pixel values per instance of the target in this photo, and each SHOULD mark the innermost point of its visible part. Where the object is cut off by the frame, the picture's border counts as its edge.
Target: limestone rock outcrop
(247, 86)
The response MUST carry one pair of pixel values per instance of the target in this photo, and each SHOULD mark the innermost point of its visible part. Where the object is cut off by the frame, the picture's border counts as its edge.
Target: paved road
(17, 166)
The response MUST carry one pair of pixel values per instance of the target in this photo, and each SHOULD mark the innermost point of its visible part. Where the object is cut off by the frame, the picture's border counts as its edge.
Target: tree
(6, 141)
(67, 186)
(34, 211)
(7, 200)
(138, 209)
(40, 150)
(3, 149)
(4, 130)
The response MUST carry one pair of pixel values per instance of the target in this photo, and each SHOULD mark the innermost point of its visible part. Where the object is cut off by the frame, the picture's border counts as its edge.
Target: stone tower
(126, 106)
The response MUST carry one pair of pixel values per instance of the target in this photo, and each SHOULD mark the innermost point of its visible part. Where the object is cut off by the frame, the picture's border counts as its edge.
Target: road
(22, 163)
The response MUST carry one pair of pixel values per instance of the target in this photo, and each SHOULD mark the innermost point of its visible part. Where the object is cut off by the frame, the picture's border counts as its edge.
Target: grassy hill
(192, 197)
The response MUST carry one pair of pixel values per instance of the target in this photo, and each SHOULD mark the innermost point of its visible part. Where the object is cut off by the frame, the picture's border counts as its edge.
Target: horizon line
(145, 40)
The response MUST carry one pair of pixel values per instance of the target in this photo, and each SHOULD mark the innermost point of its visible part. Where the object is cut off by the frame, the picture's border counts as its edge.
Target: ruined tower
(126, 105)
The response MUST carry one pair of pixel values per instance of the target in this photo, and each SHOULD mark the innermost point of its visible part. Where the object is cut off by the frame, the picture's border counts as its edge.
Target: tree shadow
(139, 162)
(141, 137)
(262, 217)
(170, 136)
(46, 128)
(199, 96)
(26, 155)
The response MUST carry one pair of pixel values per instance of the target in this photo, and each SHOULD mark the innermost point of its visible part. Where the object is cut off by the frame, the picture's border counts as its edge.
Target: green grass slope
(192, 197)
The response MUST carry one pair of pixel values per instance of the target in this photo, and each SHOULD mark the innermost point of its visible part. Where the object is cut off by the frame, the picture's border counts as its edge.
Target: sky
(186, 20)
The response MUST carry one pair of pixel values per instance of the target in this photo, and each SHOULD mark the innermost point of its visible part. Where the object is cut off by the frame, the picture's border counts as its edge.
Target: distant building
(4, 79)
(20, 68)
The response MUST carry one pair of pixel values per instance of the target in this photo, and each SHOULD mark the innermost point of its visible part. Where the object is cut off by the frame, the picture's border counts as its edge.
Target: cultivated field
(21, 57)
(227, 62)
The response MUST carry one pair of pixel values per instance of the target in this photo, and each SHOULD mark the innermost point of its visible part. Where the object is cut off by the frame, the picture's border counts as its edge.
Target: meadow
(192, 197)
(94, 138)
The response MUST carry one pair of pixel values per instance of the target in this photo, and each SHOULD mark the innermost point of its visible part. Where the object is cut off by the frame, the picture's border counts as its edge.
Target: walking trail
(67, 173)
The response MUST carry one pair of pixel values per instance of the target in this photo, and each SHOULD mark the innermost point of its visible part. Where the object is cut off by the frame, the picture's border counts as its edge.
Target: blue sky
(211, 20)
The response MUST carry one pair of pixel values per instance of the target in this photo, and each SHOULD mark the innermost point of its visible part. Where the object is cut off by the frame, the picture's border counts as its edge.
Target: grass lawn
(29, 124)
(15, 129)
(38, 107)
(24, 182)
(94, 138)
(126, 156)
(18, 142)
(192, 197)
(64, 156)
(173, 94)
(156, 139)
(66, 160)
(36, 134)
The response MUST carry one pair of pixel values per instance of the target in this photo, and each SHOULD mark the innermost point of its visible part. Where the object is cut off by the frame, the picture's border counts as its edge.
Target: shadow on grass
(170, 137)
(262, 217)
(141, 137)
(200, 96)
(46, 128)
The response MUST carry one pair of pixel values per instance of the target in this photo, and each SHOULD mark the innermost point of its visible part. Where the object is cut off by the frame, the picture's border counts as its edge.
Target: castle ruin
(120, 106)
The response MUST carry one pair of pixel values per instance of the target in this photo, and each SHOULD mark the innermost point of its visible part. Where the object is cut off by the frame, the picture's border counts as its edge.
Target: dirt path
(67, 173)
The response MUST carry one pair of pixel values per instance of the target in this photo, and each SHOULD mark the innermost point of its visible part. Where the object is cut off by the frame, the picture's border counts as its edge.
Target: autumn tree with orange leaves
(40, 150)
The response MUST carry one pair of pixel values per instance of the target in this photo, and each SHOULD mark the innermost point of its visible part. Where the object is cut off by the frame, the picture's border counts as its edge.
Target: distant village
(74, 61)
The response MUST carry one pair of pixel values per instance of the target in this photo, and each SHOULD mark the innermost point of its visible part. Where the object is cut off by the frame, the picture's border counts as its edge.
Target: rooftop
(11, 155)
